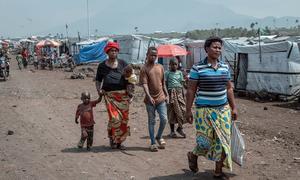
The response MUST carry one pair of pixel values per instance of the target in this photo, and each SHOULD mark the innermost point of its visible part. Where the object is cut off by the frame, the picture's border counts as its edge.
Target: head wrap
(111, 45)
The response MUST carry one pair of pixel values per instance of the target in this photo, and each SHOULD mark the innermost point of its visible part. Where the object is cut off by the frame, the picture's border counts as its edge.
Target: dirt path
(39, 107)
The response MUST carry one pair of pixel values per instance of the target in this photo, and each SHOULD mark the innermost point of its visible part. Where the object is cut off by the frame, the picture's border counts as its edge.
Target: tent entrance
(241, 78)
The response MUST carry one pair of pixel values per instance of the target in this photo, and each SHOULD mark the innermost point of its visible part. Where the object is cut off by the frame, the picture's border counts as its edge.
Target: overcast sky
(24, 16)
(262, 8)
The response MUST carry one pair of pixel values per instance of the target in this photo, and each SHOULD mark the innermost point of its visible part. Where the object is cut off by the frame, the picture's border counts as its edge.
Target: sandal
(161, 142)
(153, 148)
(180, 131)
(193, 163)
(173, 135)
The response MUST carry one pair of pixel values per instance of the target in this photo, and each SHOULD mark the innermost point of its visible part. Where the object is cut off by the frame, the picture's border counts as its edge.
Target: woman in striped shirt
(210, 86)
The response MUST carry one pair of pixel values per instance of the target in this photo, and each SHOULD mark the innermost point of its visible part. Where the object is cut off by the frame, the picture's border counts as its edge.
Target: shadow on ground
(104, 149)
(165, 137)
(188, 175)
(289, 105)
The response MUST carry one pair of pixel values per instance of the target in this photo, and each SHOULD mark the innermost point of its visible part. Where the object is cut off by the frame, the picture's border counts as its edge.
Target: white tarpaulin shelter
(197, 53)
(133, 48)
(274, 68)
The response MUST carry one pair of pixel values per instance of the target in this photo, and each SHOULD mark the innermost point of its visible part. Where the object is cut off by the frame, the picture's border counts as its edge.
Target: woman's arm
(99, 87)
(99, 80)
(231, 100)
(190, 95)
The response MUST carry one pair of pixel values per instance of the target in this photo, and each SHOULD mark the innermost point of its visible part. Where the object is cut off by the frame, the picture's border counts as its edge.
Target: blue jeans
(162, 112)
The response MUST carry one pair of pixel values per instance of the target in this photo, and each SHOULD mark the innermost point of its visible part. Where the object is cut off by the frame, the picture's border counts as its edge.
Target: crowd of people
(44, 59)
(209, 92)
(208, 87)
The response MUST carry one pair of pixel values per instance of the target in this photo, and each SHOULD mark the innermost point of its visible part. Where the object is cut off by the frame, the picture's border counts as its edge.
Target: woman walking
(111, 83)
(215, 108)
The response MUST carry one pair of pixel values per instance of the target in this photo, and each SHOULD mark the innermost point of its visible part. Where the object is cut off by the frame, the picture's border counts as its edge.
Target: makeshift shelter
(133, 48)
(91, 51)
(197, 52)
(274, 68)
(28, 44)
(46, 46)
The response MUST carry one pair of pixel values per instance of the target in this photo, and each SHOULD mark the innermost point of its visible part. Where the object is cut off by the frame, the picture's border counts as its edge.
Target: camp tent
(91, 51)
(274, 68)
(197, 52)
(133, 48)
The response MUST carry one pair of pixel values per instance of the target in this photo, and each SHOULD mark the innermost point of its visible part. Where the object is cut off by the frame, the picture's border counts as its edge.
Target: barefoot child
(85, 112)
(176, 107)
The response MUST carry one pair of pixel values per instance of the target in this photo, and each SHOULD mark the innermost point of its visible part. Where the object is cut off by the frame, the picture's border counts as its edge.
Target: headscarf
(111, 45)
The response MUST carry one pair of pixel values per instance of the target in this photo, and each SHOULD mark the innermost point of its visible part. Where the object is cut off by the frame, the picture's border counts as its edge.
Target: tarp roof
(266, 48)
(88, 42)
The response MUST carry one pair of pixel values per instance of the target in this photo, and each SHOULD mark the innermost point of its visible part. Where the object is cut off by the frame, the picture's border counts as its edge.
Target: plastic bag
(237, 145)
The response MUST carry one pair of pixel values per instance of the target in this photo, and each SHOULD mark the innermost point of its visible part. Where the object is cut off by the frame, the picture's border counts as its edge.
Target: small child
(176, 107)
(85, 112)
(131, 79)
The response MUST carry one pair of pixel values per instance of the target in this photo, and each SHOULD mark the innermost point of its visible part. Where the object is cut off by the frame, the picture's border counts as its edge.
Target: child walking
(85, 112)
(176, 107)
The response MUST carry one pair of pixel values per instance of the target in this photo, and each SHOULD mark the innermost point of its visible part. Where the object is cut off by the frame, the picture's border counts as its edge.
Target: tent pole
(88, 17)
(259, 45)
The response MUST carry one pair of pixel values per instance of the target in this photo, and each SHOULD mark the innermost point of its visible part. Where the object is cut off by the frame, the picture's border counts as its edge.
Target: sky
(20, 17)
(262, 8)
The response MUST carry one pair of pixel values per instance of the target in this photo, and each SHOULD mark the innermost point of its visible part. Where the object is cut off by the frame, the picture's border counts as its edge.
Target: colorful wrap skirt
(176, 107)
(117, 104)
(213, 132)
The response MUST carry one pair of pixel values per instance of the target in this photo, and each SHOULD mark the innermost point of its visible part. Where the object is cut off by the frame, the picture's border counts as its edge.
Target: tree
(267, 30)
(252, 25)
(136, 29)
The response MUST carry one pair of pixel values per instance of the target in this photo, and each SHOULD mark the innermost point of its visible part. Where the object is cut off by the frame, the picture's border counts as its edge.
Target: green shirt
(174, 79)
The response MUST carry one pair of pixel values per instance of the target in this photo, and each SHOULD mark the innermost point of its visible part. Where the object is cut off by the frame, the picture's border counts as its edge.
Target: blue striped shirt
(212, 90)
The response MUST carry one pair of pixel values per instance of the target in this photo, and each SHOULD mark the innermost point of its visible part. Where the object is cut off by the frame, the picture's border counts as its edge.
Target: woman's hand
(101, 92)
(234, 114)
(189, 117)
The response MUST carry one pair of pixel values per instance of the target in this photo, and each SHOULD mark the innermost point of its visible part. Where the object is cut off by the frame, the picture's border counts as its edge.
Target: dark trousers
(87, 133)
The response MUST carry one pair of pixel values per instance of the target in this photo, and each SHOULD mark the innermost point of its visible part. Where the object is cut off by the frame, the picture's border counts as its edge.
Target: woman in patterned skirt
(210, 86)
(111, 83)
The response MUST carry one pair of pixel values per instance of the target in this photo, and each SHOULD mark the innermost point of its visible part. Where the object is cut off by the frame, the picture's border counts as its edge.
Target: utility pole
(217, 30)
(67, 33)
(88, 17)
(260, 58)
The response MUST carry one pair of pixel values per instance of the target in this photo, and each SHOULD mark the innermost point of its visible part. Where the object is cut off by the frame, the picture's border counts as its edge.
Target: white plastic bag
(237, 145)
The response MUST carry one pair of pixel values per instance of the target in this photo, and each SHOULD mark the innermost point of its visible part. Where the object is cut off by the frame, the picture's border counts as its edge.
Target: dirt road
(39, 106)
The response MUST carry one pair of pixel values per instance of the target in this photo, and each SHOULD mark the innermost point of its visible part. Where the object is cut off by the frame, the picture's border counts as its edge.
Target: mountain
(119, 17)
